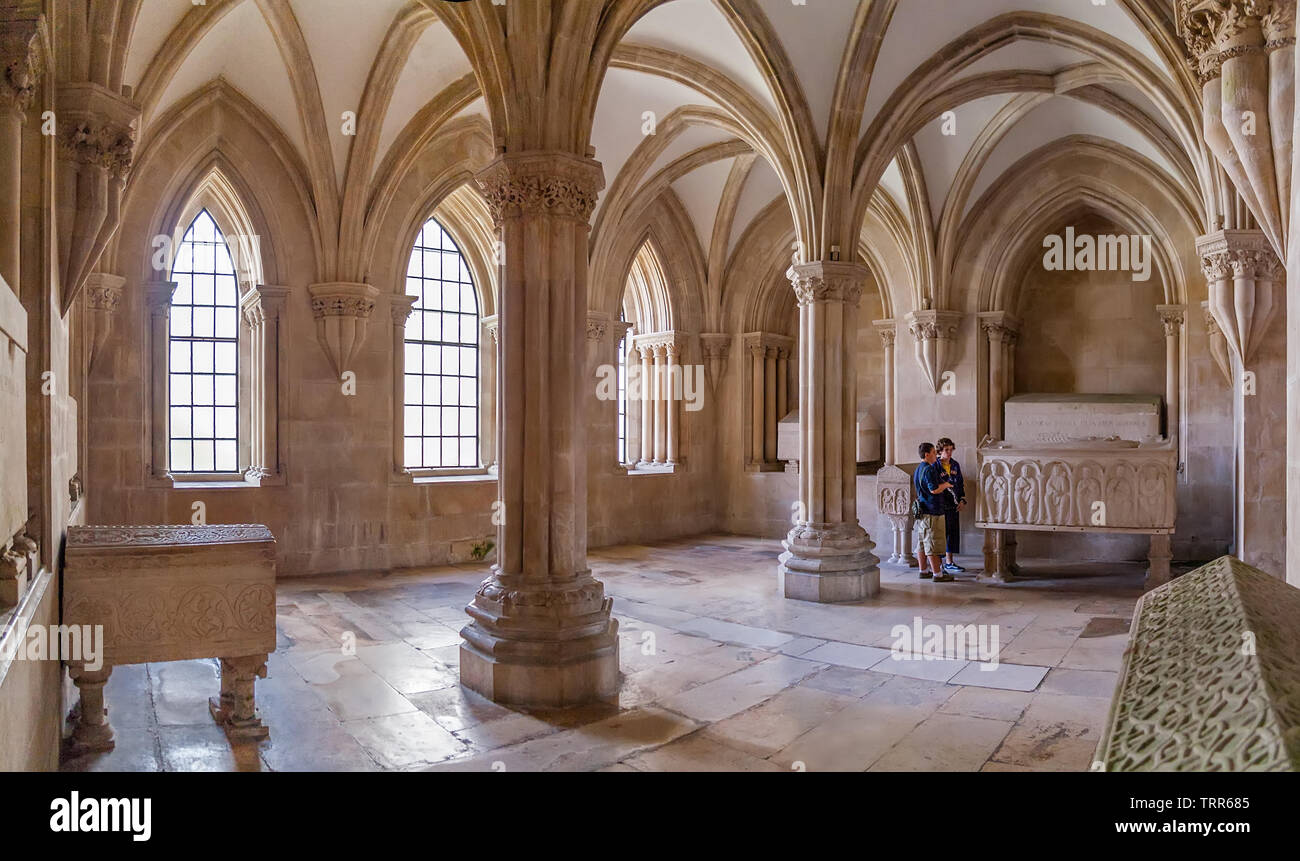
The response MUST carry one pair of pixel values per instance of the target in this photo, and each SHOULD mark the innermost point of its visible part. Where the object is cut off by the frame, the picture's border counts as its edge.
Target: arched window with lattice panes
(441, 361)
(203, 354)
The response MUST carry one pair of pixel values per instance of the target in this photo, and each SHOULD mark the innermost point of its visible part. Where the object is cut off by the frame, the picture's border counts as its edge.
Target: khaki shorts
(931, 534)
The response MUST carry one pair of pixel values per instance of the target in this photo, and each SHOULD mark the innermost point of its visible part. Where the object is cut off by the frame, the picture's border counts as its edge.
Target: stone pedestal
(828, 555)
(542, 633)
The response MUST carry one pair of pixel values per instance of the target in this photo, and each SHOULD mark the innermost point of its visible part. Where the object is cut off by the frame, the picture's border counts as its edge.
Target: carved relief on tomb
(181, 613)
(1060, 489)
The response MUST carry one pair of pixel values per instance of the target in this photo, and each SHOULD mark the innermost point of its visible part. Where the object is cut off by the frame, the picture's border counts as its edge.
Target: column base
(829, 563)
(552, 644)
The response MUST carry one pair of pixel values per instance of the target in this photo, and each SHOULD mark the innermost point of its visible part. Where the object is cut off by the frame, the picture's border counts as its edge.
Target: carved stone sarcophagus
(1077, 485)
(173, 593)
(1211, 677)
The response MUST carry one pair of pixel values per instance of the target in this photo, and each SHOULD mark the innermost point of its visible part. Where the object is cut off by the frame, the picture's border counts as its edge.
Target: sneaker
(953, 568)
(926, 575)
(944, 578)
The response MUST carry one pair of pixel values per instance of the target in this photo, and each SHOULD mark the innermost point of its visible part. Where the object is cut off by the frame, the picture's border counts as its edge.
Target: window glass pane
(441, 419)
(181, 455)
(204, 455)
(181, 422)
(203, 356)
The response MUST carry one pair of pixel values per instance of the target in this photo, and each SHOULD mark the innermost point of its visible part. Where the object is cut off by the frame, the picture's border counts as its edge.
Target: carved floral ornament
(1172, 318)
(554, 184)
(597, 326)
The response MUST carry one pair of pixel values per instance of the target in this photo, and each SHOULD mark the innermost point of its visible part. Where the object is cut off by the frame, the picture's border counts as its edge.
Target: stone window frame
(401, 306)
(262, 366)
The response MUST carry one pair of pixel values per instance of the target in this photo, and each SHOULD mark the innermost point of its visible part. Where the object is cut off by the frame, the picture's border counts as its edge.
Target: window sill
(652, 468)
(452, 476)
(211, 481)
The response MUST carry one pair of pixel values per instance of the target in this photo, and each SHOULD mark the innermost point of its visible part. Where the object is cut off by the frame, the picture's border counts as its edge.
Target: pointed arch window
(203, 354)
(441, 356)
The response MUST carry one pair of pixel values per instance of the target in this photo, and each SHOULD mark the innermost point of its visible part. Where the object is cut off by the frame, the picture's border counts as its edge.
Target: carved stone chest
(173, 593)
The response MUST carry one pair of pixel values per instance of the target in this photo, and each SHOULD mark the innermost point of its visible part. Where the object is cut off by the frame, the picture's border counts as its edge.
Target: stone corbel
(597, 325)
(1218, 345)
(1242, 51)
(96, 143)
(342, 311)
(103, 295)
(1243, 275)
(716, 347)
(935, 333)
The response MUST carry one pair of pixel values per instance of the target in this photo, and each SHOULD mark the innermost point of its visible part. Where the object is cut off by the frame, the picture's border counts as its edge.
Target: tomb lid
(161, 535)
(1083, 398)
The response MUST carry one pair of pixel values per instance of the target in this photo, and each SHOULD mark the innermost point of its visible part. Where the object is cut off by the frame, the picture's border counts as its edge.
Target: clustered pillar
(542, 633)
(769, 399)
(661, 393)
(1246, 295)
(828, 554)
(1000, 328)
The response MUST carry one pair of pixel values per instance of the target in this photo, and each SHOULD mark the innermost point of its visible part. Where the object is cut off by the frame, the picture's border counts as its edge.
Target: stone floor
(720, 673)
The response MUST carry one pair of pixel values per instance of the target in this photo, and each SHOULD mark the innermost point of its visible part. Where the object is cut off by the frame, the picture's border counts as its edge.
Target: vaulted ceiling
(729, 88)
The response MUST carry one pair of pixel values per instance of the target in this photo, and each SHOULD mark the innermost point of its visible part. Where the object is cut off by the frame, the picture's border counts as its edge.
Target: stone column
(1245, 296)
(887, 331)
(1172, 318)
(769, 404)
(487, 395)
(673, 396)
(400, 310)
(263, 308)
(647, 404)
(19, 74)
(758, 390)
(619, 331)
(661, 404)
(782, 382)
(828, 554)
(158, 298)
(542, 633)
(999, 328)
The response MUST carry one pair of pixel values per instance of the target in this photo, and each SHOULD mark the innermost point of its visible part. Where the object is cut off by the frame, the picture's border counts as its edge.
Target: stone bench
(172, 593)
(1211, 676)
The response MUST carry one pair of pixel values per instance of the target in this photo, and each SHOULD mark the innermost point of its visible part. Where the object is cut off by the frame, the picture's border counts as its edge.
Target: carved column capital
(827, 281)
(158, 297)
(556, 184)
(597, 325)
(887, 330)
(999, 327)
(1172, 317)
(400, 307)
(263, 302)
(492, 325)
